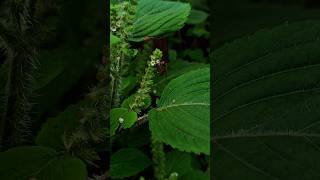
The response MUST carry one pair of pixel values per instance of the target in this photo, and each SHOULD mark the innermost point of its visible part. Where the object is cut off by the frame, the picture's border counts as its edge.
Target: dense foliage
(53, 88)
(64, 95)
(159, 120)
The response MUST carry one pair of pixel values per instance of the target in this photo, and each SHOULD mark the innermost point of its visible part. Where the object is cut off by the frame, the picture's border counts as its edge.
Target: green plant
(61, 88)
(179, 120)
(267, 97)
(46, 132)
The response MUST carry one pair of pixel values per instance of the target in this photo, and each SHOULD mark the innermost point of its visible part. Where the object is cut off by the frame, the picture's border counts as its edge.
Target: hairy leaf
(155, 17)
(39, 163)
(266, 105)
(183, 114)
(128, 162)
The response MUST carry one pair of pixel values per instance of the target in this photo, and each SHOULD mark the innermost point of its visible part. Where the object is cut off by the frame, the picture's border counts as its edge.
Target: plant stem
(158, 158)
(15, 119)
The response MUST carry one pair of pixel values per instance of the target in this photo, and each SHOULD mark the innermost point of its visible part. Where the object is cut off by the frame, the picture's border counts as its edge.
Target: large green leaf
(40, 163)
(249, 16)
(156, 17)
(183, 114)
(128, 162)
(266, 99)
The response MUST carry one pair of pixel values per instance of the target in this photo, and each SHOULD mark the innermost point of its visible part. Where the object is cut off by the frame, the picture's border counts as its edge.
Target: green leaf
(266, 105)
(196, 55)
(249, 16)
(179, 162)
(155, 17)
(52, 131)
(196, 174)
(197, 17)
(40, 163)
(128, 162)
(198, 31)
(128, 84)
(117, 115)
(138, 137)
(183, 114)
(59, 71)
(54, 128)
(114, 39)
(175, 69)
(69, 53)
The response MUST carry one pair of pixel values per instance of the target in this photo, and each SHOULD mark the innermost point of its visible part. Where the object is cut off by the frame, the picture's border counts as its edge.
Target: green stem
(158, 158)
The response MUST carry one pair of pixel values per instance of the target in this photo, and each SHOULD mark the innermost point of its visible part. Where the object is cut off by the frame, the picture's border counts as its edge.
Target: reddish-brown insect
(162, 44)
(162, 67)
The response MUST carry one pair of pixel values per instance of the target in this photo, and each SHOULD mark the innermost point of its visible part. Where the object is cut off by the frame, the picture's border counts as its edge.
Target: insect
(162, 67)
(162, 44)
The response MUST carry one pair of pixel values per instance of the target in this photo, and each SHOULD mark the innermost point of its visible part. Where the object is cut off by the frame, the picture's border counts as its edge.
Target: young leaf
(128, 162)
(155, 17)
(39, 163)
(121, 117)
(266, 105)
(182, 117)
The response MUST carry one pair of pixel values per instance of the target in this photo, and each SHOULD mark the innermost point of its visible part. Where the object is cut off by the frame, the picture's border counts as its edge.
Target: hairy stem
(15, 116)
(158, 158)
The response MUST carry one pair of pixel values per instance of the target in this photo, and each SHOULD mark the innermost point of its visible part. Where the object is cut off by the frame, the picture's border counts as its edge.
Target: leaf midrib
(164, 108)
(272, 134)
(259, 100)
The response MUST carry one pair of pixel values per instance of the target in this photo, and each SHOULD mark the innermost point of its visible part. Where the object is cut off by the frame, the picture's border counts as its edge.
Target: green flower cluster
(146, 82)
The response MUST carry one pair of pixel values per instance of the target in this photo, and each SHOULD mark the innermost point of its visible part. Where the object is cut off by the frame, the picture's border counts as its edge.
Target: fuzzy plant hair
(18, 68)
